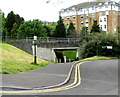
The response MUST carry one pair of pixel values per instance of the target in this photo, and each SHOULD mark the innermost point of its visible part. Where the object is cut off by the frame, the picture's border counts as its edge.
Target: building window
(86, 21)
(104, 19)
(114, 6)
(106, 6)
(87, 9)
(82, 23)
(93, 15)
(100, 7)
(81, 16)
(73, 17)
(67, 24)
(84, 11)
(68, 18)
(93, 8)
(105, 26)
(100, 26)
(107, 13)
(86, 15)
(114, 28)
(100, 20)
(93, 21)
(62, 18)
(81, 10)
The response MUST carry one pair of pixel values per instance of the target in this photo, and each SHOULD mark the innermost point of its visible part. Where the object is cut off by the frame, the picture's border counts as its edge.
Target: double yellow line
(77, 82)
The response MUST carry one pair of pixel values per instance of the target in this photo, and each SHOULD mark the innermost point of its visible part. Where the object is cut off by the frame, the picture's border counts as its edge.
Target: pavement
(98, 78)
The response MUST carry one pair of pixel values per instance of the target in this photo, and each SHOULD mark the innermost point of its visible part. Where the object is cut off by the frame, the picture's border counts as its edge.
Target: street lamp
(35, 44)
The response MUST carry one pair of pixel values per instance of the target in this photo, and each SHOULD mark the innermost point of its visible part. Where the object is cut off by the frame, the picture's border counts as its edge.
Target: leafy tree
(47, 30)
(71, 32)
(32, 28)
(95, 28)
(2, 26)
(52, 28)
(60, 30)
(84, 31)
(14, 29)
(13, 20)
(10, 20)
(96, 45)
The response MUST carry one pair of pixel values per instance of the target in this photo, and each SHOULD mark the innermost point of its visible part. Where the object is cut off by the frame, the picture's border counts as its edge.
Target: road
(96, 78)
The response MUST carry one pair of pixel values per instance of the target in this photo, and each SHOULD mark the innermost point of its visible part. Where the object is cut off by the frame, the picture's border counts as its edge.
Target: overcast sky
(37, 9)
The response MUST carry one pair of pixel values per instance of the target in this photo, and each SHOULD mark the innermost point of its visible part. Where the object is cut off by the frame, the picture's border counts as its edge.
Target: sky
(37, 9)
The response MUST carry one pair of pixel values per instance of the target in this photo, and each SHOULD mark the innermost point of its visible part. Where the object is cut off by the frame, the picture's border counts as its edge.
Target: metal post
(35, 52)
(35, 57)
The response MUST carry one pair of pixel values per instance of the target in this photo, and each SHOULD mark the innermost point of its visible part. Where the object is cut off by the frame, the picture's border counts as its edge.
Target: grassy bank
(97, 58)
(15, 60)
(70, 54)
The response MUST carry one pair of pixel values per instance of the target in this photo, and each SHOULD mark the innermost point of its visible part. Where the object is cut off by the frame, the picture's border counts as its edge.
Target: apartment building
(107, 15)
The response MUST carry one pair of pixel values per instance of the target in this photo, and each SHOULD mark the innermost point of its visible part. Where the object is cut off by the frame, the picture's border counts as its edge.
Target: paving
(52, 74)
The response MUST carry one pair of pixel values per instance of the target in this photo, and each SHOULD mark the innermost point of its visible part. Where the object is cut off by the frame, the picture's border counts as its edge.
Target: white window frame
(106, 6)
(81, 22)
(87, 21)
(81, 16)
(68, 18)
(100, 19)
(93, 14)
(105, 26)
(73, 23)
(100, 26)
(105, 20)
(73, 17)
(93, 8)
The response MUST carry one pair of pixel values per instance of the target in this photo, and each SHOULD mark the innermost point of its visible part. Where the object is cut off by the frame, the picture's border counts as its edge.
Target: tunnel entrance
(66, 55)
(59, 56)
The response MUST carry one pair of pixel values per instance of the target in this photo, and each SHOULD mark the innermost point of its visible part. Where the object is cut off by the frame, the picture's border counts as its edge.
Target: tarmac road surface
(97, 78)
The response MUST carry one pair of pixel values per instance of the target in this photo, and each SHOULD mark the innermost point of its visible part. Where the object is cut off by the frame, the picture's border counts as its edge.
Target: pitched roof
(87, 5)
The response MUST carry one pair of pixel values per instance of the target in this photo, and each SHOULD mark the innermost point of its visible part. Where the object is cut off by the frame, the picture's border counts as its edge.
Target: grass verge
(15, 60)
(97, 58)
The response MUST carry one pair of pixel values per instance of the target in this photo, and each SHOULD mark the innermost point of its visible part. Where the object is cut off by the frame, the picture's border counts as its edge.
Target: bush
(96, 45)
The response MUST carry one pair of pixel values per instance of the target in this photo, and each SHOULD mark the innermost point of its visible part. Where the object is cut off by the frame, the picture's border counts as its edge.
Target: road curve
(76, 82)
(97, 78)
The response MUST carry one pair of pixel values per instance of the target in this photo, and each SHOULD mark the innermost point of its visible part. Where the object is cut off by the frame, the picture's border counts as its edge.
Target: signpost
(34, 43)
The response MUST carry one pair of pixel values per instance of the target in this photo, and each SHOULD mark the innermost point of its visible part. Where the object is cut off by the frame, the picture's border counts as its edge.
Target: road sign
(109, 47)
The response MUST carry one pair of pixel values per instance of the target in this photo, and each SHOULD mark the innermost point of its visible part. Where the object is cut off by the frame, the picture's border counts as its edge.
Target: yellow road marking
(77, 82)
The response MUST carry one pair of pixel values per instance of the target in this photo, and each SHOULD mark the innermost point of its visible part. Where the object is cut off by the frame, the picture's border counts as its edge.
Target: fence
(45, 39)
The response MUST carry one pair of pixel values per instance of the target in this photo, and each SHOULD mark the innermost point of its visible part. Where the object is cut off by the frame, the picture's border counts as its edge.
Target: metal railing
(45, 39)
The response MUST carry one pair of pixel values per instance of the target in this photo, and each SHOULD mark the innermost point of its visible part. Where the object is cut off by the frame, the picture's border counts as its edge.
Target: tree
(71, 32)
(96, 45)
(47, 30)
(2, 26)
(32, 28)
(14, 29)
(84, 31)
(95, 28)
(13, 20)
(52, 28)
(10, 20)
(60, 30)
